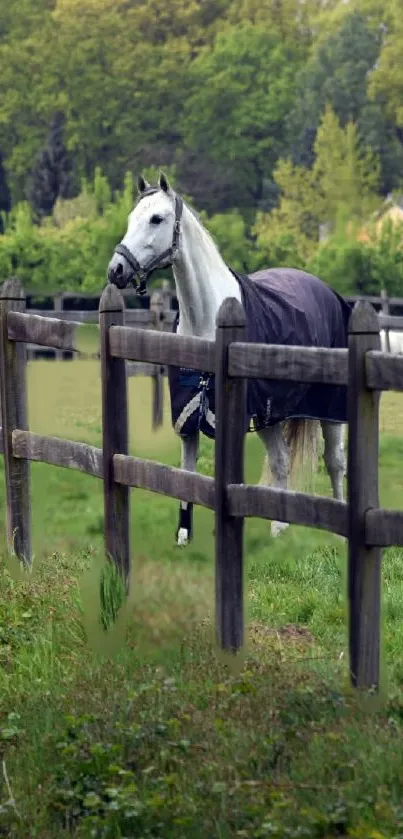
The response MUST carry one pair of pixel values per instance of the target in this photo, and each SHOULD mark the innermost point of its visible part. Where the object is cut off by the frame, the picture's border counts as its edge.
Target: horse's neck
(202, 280)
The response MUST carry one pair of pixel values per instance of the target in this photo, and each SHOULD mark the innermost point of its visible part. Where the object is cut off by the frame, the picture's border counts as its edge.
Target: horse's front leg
(190, 448)
(334, 457)
(277, 455)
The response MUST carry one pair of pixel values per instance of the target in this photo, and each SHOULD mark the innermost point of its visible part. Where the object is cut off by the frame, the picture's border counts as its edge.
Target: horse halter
(164, 260)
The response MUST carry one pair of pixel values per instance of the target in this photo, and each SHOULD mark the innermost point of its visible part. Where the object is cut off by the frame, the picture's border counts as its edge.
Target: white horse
(162, 231)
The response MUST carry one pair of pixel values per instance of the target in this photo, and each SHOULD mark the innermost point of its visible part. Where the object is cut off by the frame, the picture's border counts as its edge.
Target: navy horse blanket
(282, 306)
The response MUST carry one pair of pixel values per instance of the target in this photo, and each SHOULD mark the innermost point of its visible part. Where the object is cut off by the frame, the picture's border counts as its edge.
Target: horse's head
(152, 236)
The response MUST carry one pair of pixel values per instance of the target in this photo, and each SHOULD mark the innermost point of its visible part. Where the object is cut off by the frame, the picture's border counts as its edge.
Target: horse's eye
(155, 219)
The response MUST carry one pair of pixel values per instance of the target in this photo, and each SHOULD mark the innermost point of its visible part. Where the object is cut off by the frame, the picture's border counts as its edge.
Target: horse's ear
(142, 184)
(163, 182)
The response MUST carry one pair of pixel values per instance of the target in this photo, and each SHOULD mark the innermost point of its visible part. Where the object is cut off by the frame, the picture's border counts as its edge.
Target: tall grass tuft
(112, 594)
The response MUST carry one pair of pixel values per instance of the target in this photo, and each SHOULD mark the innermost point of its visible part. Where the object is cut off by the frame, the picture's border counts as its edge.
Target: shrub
(365, 267)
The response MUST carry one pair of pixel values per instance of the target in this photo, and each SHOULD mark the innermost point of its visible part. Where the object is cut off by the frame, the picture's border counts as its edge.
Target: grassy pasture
(148, 733)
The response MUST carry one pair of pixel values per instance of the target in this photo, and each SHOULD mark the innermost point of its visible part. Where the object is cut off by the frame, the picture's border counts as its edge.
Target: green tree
(341, 185)
(242, 89)
(158, 22)
(51, 176)
(230, 232)
(203, 87)
(120, 92)
(346, 173)
(290, 21)
(25, 109)
(5, 198)
(386, 79)
(338, 74)
(288, 234)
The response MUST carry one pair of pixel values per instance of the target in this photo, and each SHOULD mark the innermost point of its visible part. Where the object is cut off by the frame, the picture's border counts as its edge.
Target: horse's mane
(202, 230)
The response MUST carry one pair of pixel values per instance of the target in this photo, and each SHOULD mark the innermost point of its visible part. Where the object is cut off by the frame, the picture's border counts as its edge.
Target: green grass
(147, 731)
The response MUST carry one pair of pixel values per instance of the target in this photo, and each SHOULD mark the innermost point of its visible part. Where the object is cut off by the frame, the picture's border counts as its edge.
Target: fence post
(386, 311)
(230, 404)
(157, 306)
(58, 307)
(166, 295)
(14, 415)
(364, 562)
(114, 434)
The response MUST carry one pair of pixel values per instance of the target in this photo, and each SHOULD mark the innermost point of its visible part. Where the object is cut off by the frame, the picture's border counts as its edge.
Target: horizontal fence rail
(288, 363)
(362, 367)
(375, 300)
(137, 317)
(162, 348)
(384, 528)
(390, 322)
(284, 505)
(57, 452)
(44, 331)
(165, 480)
(383, 371)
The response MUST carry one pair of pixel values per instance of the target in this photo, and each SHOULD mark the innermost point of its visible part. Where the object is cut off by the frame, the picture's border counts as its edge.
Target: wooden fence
(362, 367)
(158, 314)
(162, 304)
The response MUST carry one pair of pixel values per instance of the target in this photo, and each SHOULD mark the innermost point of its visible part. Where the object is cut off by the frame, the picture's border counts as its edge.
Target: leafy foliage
(339, 190)
(220, 93)
(5, 198)
(345, 172)
(241, 91)
(71, 249)
(112, 594)
(386, 77)
(51, 174)
(337, 75)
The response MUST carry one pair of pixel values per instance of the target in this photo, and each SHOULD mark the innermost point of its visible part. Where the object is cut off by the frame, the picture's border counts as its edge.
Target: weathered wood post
(58, 307)
(114, 434)
(364, 562)
(166, 291)
(157, 307)
(230, 398)
(386, 311)
(14, 415)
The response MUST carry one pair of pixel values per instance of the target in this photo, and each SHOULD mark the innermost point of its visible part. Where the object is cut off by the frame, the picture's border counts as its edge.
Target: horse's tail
(302, 437)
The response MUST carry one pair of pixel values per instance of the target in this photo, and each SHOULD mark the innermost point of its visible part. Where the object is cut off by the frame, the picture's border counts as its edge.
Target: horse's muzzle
(119, 273)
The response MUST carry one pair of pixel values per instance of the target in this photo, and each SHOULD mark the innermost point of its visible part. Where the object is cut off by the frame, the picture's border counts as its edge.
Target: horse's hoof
(277, 527)
(182, 538)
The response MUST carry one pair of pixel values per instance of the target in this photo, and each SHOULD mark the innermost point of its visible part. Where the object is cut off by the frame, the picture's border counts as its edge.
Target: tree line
(275, 118)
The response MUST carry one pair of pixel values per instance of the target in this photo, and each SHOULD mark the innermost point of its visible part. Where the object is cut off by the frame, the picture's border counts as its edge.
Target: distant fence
(158, 316)
(59, 299)
(156, 313)
(362, 367)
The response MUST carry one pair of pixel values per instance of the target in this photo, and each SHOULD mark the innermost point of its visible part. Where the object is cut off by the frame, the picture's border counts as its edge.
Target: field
(148, 732)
